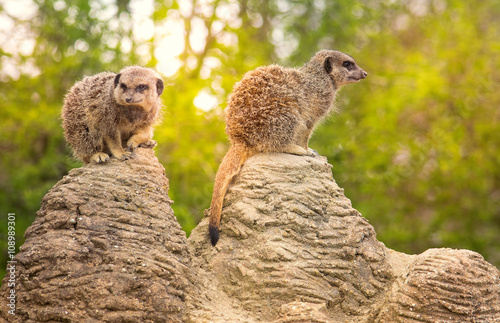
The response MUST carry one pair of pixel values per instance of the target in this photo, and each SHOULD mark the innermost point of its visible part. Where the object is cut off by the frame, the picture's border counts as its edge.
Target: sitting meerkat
(104, 112)
(275, 109)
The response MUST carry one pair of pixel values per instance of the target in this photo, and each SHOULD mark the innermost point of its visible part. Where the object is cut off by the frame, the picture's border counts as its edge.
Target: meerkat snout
(363, 75)
(354, 72)
(341, 67)
(136, 90)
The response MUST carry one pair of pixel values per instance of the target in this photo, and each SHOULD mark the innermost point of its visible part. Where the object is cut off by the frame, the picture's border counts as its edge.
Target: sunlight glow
(169, 45)
(205, 101)
(22, 9)
(168, 36)
(198, 35)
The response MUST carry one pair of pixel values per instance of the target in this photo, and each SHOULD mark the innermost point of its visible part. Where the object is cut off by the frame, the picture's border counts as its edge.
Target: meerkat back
(263, 110)
(85, 99)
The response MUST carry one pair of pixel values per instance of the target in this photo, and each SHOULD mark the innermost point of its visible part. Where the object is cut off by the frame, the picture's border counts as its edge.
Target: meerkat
(104, 112)
(275, 109)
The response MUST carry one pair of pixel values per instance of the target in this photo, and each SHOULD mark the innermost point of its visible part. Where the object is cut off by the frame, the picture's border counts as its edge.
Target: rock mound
(106, 247)
(289, 234)
(445, 285)
(292, 249)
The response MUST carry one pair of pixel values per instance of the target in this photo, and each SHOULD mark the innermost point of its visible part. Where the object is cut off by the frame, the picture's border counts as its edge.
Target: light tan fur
(275, 109)
(104, 112)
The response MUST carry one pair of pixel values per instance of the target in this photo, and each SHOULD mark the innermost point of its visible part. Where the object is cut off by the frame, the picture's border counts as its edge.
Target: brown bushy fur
(104, 112)
(275, 109)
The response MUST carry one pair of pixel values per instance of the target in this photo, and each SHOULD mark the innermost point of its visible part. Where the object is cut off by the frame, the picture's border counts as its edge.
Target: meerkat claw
(148, 144)
(125, 156)
(128, 155)
(100, 158)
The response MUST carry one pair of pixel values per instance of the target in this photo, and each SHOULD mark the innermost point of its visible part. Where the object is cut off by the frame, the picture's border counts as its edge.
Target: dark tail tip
(214, 234)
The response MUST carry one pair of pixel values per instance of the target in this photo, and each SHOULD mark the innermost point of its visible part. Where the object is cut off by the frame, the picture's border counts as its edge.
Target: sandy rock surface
(106, 247)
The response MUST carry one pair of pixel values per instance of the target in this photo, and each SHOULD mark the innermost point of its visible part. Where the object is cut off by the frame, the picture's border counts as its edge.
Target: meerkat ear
(159, 86)
(117, 79)
(328, 65)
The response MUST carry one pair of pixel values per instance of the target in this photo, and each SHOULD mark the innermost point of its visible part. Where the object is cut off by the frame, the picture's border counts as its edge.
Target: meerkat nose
(365, 74)
(128, 100)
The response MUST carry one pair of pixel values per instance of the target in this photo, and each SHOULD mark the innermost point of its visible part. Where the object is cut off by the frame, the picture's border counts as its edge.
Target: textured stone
(292, 249)
(106, 247)
(445, 285)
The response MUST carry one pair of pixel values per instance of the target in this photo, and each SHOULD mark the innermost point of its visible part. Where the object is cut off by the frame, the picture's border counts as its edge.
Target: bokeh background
(415, 145)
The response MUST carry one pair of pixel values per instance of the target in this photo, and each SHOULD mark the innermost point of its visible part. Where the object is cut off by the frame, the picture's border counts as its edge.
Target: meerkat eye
(141, 87)
(123, 86)
(348, 64)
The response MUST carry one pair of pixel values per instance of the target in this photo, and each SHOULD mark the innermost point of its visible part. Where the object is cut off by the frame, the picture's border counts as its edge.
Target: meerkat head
(341, 67)
(137, 86)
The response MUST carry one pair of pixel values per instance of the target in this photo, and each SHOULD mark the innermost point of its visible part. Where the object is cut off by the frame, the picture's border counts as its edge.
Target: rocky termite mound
(292, 249)
(105, 247)
(444, 285)
(289, 234)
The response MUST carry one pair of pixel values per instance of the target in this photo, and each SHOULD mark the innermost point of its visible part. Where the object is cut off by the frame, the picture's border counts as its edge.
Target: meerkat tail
(228, 169)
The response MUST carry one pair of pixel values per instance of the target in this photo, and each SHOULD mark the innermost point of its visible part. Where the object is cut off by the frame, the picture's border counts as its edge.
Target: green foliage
(415, 145)
(416, 151)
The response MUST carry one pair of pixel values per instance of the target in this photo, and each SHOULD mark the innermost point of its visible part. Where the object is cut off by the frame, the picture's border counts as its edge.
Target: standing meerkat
(275, 109)
(104, 112)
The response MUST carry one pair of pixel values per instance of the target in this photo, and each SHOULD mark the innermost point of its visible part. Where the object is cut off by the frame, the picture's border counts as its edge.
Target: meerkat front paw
(132, 144)
(127, 155)
(148, 144)
(124, 155)
(99, 157)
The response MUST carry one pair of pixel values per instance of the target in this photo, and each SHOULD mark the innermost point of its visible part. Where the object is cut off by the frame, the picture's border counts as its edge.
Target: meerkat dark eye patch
(123, 86)
(141, 88)
(348, 64)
